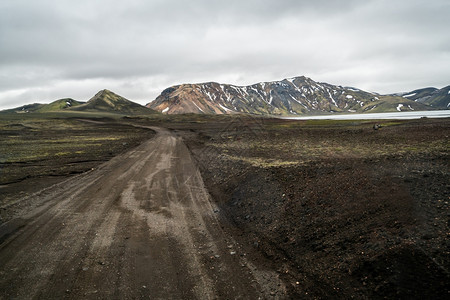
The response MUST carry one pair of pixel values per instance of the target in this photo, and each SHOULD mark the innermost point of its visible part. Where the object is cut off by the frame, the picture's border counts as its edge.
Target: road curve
(139, 226)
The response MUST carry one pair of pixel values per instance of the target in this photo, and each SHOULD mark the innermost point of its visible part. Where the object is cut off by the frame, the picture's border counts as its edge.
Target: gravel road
(141, 225)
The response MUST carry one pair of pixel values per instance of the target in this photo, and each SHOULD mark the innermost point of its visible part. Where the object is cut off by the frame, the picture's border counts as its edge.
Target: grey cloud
(54, 45)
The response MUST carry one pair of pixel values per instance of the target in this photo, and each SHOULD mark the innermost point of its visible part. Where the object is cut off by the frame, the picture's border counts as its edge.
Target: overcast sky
(136, 48)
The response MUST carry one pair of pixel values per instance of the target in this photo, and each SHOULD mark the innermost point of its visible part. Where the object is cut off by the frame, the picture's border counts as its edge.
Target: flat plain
(249, 207)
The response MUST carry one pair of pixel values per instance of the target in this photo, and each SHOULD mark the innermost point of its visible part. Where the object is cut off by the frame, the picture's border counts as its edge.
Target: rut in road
(140, 226)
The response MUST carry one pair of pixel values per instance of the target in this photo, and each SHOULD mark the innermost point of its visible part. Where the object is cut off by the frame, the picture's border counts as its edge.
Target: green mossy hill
(60, 105)
(55, 106)
(24, 108)
(107, 101)
(393, 104)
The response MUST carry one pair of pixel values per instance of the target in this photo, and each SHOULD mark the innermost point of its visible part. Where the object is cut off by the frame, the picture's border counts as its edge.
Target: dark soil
(342, 210)
(348, 224)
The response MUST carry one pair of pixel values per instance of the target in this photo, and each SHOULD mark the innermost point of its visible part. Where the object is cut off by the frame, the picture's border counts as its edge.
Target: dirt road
(139, 226)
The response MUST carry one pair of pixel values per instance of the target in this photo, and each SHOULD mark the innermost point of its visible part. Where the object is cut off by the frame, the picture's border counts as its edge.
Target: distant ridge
(61, 104)
(292, 96)
(436, 98)
(58, 105)
(103, 101)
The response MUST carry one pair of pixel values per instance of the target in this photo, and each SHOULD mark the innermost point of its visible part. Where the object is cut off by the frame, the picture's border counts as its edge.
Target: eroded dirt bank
(139, 226)
(342, 210)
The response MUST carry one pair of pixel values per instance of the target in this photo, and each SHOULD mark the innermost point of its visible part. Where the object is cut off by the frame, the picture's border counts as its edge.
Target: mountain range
(293, 96)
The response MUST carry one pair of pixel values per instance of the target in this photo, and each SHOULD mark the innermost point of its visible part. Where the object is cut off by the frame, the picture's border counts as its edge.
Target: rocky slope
(299, 95)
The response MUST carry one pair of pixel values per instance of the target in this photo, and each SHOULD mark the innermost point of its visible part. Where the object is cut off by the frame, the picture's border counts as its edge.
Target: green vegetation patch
(32, 146)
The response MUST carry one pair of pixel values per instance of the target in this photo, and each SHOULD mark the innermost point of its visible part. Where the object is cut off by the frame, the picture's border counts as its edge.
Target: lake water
(379, 116)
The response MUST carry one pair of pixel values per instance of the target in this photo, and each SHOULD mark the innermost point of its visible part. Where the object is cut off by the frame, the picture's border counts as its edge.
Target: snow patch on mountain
(409, 95)
(224, 108)
(198, 107)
